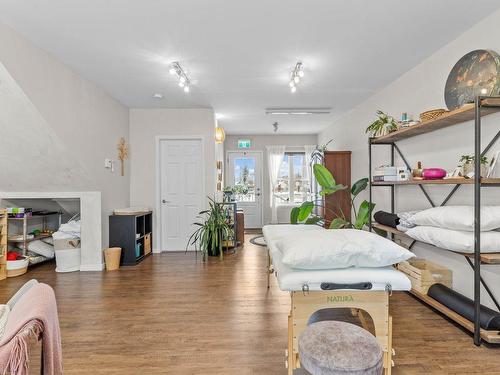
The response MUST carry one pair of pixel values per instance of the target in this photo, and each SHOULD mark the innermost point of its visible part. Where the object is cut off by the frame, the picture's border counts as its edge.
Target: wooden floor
(173, 314)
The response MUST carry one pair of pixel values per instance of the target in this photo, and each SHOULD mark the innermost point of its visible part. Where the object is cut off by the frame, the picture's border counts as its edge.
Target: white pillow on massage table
(274, 232)
(339, 248)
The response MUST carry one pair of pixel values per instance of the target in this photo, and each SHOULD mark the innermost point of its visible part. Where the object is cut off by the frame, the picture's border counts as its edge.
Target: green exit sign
(244, 143)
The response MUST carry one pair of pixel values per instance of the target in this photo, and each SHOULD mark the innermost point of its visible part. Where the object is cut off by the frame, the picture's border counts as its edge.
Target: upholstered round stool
(338, 348)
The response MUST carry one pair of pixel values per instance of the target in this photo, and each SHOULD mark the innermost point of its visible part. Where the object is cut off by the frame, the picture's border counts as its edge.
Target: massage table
(359, 289)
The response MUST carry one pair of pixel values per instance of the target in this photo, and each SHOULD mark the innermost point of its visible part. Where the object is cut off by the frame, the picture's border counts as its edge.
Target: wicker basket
(432, 114)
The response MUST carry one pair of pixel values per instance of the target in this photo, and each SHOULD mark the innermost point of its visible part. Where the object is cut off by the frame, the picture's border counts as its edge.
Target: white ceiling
(239, 54)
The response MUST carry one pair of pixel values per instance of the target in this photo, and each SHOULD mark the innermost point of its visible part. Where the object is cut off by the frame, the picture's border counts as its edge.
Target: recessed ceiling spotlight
(158, 95)
(184, 80)
(295, 76)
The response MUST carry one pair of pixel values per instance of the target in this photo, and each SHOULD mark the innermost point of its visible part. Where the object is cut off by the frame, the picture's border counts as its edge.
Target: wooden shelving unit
(458, 116)
(446, 181)
(492, 337)
(483, 106)
(4, 230)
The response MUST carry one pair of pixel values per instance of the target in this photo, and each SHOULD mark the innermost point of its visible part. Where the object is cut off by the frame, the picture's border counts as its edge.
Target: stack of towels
(449, 227)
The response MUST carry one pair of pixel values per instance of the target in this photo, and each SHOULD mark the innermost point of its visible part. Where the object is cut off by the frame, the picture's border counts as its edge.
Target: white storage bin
(68, 254)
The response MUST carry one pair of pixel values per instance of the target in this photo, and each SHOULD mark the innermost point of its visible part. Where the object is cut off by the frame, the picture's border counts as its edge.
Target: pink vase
(433, 174)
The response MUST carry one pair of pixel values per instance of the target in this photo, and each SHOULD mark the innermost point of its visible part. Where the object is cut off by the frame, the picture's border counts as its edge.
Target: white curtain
(308, 152)
(275, 156)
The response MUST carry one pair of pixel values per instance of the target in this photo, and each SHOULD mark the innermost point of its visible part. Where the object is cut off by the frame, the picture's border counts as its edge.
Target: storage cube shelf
(133, 233)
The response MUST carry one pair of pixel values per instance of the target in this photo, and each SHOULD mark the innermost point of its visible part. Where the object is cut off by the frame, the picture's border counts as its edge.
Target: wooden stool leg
(388, 355)
(42, 370)
(291, 355)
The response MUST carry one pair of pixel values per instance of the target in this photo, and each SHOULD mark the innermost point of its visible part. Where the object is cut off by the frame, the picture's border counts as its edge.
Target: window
(293, 184)
(244, 179)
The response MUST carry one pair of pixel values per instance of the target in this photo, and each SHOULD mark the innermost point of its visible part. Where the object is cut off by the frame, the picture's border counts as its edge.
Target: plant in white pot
(383, 125)
(467, 164)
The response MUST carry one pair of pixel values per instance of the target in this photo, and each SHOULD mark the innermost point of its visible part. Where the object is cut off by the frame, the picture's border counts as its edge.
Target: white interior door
(181, 190)
(245, 169)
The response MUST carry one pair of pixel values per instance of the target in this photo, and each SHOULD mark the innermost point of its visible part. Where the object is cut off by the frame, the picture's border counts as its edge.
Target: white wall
(259, 143)
(420, 89)
(145, 126)
(64, 113)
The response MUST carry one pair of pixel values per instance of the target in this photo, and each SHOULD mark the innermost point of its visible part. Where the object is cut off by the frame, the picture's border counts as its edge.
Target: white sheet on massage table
(290, 279)
(274, 232)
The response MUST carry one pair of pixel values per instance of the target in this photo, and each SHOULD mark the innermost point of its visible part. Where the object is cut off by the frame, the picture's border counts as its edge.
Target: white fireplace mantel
(90, 212)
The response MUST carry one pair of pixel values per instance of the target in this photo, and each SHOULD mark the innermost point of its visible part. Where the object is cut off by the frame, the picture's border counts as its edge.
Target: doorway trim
(262, 161)
(157, 215)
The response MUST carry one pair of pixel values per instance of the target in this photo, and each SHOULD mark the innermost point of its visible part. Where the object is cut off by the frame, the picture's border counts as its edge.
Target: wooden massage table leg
(269, 267)
(290, 356)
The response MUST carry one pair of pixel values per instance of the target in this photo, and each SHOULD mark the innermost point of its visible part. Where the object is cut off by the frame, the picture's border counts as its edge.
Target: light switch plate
(108, 163)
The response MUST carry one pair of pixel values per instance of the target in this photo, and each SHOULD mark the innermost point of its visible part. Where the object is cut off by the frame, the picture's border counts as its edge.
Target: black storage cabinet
(129, 231)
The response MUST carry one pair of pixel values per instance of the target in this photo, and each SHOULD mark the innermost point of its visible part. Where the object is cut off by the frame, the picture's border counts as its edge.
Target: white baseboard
(92, 267)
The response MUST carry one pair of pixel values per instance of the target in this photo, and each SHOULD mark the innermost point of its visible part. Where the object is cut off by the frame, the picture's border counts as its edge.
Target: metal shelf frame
(478, 152)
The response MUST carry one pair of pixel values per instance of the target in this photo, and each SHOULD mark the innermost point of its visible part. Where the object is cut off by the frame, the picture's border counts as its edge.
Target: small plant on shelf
(384, 124)
(212, 230)
(467, 164)
(304, 213)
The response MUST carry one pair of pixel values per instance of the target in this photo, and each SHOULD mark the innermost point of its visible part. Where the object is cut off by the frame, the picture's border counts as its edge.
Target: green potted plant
(228, 193)
(304, 213)
(384, 124)
(231, 191)
(467, 165)
(212, 230)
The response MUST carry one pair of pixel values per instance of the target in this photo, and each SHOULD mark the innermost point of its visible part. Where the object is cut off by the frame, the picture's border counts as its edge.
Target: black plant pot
(213, 252)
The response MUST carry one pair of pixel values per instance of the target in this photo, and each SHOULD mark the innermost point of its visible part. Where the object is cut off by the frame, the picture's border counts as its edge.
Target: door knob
(164, 201)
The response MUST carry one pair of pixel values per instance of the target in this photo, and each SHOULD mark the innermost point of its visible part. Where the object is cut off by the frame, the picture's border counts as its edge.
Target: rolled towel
(386, 218)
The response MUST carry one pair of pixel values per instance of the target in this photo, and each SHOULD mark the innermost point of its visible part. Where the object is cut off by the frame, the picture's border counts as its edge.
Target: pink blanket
(34, 315)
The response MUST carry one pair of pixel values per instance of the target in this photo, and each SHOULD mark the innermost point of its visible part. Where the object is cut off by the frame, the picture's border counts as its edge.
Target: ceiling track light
(299, 111)
(295, 76)
(184, 81)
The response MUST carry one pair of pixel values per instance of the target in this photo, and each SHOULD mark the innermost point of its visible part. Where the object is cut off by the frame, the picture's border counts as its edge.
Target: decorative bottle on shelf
(417, 172)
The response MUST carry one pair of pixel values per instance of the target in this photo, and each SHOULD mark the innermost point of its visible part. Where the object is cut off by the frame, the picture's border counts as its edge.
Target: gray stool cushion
(338, 348)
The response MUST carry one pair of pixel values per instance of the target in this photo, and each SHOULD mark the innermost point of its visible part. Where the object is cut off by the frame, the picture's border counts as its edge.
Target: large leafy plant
(212, 230)
(304, 214)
